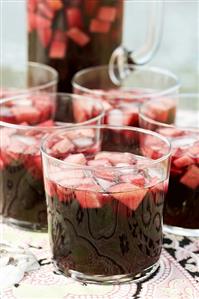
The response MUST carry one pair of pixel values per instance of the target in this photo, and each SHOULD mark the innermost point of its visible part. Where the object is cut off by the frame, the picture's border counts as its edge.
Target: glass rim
(152, 69)
(65, 125)
(45, 67)
(145, 163)
(164, 125)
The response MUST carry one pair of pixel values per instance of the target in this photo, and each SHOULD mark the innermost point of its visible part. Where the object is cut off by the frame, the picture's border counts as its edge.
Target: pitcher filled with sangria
(72, 35)
(105, 194)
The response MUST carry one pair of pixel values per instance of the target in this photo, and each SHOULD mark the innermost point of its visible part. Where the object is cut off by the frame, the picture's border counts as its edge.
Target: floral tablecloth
(176, 278)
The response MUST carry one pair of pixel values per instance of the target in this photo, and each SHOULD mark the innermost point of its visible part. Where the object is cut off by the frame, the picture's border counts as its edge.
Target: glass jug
(71, 35)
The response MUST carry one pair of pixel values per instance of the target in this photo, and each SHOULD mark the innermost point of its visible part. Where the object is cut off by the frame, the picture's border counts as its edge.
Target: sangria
(105, 195)
(121, 102)
(181, 210)
(71, 35)
(24, 120)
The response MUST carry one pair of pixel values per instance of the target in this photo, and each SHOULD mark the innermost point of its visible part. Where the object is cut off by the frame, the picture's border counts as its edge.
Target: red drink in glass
(24, 121)
(181, 211)
(105, 197)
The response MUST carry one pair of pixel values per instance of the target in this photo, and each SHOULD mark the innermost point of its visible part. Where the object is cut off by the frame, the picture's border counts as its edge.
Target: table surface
(176, 278)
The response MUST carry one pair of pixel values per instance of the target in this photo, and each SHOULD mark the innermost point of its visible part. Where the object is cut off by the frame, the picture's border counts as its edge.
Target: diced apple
(183, 161)
(98, 26)
(89, 196)
(191, 177)
(76, 159)
(31, 115)
(128, 194)
(74, 17)
(63, 146)
(78, 36)
(107, 13)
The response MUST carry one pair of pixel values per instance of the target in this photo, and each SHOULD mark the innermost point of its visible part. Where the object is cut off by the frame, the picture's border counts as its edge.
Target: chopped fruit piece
(42, 22)
(78, 36)
(74, 17)
(107, 13)
(50, 187)
(47, 123)
(194, 150)
(64, 194)
(45, 35)
(99, 162)
(26, 114)
(45, 10)
(137, 180)
(58, 46)
(76, 159)
(89, 196)
(129, 194)
(55, 4)
(98, 26)
(105, 174)
(63, 146)
(191, 177)
(183, 161)
(115, 158)
(170, 132)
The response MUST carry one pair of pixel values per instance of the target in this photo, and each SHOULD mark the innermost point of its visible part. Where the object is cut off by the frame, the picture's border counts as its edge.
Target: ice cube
(27, 140)
(23, 102)
(83, 141)
(105, 184)
(115, 117)
(183, 141)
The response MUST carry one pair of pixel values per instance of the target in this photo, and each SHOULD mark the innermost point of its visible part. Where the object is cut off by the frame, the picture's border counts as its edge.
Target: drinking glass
(178, 120)
(34, 77)
(24, 120)
(121, 102)
(105, 197)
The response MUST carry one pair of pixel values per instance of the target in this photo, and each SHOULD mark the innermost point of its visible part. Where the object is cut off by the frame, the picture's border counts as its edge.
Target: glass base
(187, 232)
(36, 227)
(114, 279)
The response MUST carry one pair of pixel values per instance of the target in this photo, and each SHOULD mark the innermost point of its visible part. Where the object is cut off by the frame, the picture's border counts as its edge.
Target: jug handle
(121, 58)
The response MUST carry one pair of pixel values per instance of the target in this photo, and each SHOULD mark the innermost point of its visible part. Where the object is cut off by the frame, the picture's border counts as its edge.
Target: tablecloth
(176, 278)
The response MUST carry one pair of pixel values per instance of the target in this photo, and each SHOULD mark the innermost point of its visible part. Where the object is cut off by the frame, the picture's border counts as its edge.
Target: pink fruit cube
(183, 161)
(76, 159)
(63, 146)
(191, 177)
(107, 13)
(78, 36)
(31, 115)
(98, 26)
(74, 17)
(128, 194)
(89, 196)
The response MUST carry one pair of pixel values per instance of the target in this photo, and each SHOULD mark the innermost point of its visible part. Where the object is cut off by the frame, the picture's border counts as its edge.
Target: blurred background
(178, 52)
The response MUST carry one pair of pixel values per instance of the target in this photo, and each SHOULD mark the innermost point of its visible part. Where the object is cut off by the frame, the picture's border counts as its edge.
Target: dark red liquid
(22, 196)
(103, 222)
(181, 207)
